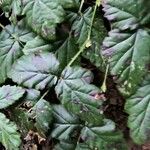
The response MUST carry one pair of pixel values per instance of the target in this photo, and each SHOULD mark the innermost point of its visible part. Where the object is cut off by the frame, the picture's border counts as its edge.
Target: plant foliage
(48, 49)
(127, 49)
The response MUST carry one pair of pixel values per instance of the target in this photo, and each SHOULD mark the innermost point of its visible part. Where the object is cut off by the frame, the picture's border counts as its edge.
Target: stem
(77, 54)
(2, 26)
(90, 30)
(81, 5)
(104, 87)
(44, 94)
(87, 42)
(39, 99)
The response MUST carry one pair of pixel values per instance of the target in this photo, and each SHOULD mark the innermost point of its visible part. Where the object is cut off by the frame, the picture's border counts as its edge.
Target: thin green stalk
(40, 99)
(44, 94)
(2, 26)
(93, 16)
(87, 42)
(81, 5)
(104, 86)
(77, 54)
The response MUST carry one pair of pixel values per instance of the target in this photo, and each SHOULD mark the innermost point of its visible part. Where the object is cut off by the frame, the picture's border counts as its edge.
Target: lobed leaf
(96, 137)
(43, 16)
(12, 40)
(94, 52)
(9, 136)
(65, 145)
(32, 96)
(66, 124)
(81, 25)
(138, 108)
(128, 56)
(102, 137)
(42, 112)
(127, 14)
(68, 3)
(67, 51)
(22, 120)
(20, 114)
(9, 95)
(36, 45)
(78, 96)
(13, 6)
(35, 71)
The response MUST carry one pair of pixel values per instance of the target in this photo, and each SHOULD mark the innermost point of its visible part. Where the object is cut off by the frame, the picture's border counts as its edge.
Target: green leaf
(138, 108)
(93, 53)
(21, 118)
(11, 47)
(63, 145)
(13, 6)
(65, 124)
(77, 74)
(32, 96)
(19, 33)
(95, 144)
(127, 14)
(78, 96)
(17, 7)
(81, 26)
(128, 54)
(20, 114)
(42, 112)
(102, 137)
(9, 95)
(83, 146)
(9, 136)
(68, 3)
(5, 4)
(36, 45)
(35, 71)
(71, 16)
(43, 16)
(66, 52)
